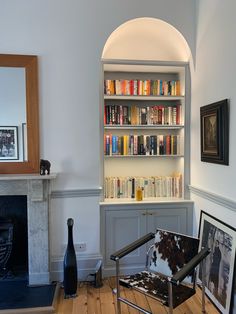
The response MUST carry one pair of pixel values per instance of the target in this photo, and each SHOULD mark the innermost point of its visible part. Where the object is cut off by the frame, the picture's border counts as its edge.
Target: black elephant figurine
(44, 167)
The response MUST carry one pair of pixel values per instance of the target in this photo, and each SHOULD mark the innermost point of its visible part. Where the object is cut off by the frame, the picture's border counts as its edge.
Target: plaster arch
(147, 39)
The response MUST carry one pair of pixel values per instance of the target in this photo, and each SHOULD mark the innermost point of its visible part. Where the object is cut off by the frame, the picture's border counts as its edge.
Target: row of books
(157, 186)
(142, 87)
(141, 145)
(142, 115)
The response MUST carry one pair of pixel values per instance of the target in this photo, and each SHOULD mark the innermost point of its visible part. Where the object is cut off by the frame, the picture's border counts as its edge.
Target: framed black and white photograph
(9, 143)
(215, 133)
(220, 263)
(24, 142)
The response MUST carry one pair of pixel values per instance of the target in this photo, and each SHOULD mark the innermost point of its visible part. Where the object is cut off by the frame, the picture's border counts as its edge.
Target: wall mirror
(19, 122)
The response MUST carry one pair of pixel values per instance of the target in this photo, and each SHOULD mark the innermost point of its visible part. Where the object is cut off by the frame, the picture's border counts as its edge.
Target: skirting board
(124, 270)
(85, 266)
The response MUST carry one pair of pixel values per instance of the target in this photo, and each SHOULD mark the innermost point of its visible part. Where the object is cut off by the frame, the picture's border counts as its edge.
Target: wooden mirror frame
(30, 64)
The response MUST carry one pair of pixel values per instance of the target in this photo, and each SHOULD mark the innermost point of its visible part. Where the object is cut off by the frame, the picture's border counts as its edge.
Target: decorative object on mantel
(70, 265)
(45, 166)
(215, 133)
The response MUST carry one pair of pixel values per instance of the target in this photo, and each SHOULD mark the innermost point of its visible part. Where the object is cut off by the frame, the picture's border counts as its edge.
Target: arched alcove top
(147, 39)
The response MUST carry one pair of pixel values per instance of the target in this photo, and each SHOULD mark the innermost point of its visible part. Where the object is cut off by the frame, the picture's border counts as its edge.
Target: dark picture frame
(220, 263)
(215, 132)
(9, 143)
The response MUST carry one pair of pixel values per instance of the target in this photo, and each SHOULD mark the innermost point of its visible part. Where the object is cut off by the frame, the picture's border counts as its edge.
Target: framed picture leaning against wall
(220, 263)
(9, 143)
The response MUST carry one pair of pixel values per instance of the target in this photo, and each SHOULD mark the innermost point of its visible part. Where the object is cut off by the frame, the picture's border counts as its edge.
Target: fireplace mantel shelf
(4, 177)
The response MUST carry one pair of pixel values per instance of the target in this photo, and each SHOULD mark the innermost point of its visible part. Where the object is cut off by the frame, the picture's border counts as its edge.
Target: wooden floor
(101, 301)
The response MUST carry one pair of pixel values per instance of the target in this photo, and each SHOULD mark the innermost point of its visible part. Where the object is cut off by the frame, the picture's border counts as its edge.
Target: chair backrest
(172, 251)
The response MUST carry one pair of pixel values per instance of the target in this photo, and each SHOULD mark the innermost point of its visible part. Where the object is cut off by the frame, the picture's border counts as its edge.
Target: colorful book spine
(142, 87)
(155, 186)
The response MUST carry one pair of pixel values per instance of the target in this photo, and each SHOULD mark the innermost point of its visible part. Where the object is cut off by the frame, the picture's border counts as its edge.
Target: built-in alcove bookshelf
(145, 140)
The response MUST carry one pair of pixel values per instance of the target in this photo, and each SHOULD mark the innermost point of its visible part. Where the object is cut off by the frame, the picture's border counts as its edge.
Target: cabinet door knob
(144, 214)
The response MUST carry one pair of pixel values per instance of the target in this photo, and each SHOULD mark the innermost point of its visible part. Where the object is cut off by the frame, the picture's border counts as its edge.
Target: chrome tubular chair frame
(175, 280)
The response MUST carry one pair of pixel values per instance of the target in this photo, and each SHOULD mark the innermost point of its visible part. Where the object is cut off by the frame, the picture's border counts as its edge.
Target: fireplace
(36, 191)
(6, 242)
(13, 237)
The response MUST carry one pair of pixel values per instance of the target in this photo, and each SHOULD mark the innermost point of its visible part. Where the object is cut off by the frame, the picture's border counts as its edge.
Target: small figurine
(44, 167)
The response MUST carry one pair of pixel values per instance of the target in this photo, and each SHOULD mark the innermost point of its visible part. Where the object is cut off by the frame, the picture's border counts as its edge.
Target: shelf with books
(139, 113)
(144, 125)
(144, 156)
(142, 145)
(142, 87)
(140, 97)
(154, 186)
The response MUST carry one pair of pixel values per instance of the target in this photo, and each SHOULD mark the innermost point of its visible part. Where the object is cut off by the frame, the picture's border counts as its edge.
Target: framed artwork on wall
(220, 263)
(215, 133)
(9, 143)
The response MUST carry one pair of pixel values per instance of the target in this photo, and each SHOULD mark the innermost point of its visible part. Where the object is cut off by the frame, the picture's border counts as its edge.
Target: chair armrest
(132, 246)
(180, 275)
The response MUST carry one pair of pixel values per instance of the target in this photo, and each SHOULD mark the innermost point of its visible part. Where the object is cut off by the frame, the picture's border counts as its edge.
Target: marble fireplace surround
(37, 189)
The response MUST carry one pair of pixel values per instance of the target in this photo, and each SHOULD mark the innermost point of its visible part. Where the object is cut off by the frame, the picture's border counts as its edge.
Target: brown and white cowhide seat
(171, 251)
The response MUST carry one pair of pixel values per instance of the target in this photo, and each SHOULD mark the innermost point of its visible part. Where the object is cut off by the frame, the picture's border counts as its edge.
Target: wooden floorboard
(92, 300)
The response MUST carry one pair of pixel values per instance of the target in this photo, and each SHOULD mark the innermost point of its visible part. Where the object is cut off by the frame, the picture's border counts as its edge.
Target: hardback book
(134, 115)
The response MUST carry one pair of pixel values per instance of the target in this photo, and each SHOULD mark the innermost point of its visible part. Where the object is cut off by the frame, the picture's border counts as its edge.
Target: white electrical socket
(80, 247)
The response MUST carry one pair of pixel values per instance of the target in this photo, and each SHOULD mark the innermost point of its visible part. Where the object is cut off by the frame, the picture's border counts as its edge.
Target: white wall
(68, 37)
(213, 79)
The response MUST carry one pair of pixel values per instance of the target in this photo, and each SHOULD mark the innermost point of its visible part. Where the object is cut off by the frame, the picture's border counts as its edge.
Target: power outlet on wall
(79, 247)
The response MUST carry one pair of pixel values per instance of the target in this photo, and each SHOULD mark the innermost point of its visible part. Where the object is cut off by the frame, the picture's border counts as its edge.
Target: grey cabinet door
(122, 228)
(123, 224)
(171, 220)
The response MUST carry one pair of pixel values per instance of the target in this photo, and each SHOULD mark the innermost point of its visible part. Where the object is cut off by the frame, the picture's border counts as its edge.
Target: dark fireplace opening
(13, 226)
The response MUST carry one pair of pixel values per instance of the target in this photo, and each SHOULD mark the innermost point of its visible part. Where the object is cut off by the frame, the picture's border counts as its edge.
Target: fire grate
(6, 240)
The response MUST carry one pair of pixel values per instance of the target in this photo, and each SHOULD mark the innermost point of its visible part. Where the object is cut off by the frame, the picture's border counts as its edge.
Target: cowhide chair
(170, 275)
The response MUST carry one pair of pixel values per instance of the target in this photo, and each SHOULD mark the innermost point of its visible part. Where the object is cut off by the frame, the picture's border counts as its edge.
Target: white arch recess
(147, 39)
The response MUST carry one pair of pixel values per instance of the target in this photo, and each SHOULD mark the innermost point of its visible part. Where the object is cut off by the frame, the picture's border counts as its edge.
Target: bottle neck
(70, 236)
